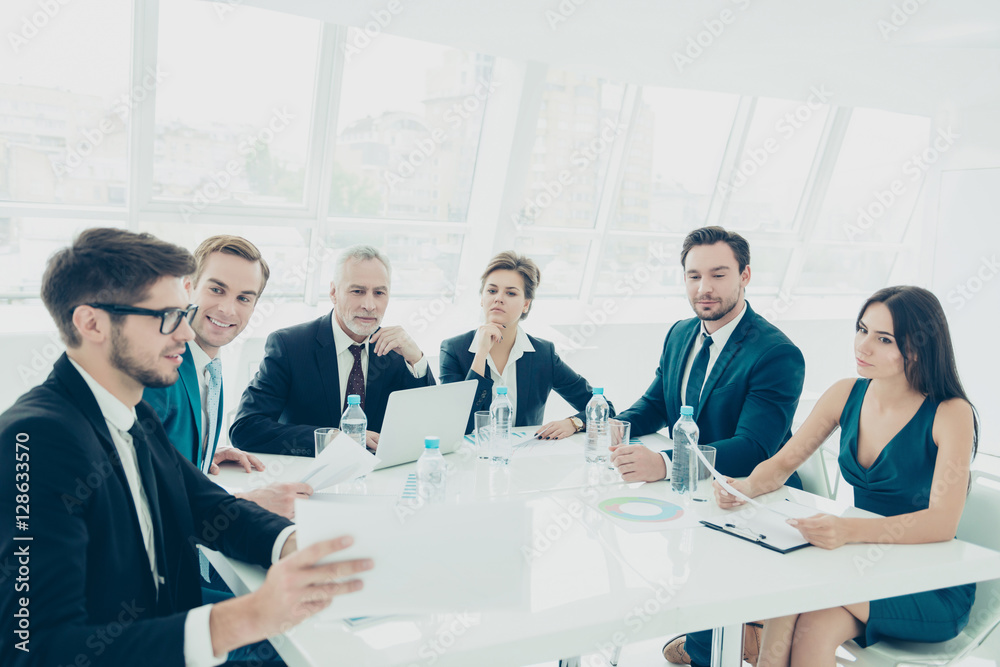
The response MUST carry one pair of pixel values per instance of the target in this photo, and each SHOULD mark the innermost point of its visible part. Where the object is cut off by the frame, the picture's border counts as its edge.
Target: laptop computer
(411, 415)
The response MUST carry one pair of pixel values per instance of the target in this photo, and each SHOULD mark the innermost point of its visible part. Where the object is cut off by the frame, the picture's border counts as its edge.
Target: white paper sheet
(770, 526)
(340, 461)
(721, 479)
(428, 557)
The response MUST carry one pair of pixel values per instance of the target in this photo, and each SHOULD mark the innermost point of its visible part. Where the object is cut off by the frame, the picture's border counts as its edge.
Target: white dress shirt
(120, 418)
(719, 340)
(345, 359)
(509, 376)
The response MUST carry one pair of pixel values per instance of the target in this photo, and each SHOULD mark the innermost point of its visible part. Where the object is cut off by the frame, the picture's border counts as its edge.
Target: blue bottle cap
(432, 442)
(598, 390)
(501, 391)
(354, 399)
(687, 411)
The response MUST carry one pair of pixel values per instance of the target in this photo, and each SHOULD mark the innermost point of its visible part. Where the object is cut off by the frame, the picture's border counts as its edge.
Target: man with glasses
(227, 283)
(112, 512)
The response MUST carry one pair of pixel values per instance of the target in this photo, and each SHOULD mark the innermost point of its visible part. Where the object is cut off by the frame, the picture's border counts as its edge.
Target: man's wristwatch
(577, 423)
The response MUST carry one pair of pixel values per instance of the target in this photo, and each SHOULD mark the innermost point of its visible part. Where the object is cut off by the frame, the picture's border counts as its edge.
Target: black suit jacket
(538, 373)
(297, 390)
(748, 399)
(91, 591)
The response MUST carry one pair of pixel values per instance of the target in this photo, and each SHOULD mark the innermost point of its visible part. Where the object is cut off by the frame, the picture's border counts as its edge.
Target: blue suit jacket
(748, 399)
(538, 373)
(179, 408)
(89, 568)
(297, 390)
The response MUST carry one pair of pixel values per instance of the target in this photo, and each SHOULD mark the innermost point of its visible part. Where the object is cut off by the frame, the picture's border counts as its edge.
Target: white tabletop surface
(595, 584)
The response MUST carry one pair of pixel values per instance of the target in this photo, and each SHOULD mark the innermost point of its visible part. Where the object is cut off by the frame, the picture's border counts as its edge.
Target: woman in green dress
(908, 435)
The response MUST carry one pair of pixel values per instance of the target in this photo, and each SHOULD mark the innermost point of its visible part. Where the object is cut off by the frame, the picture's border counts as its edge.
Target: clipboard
(765, 525)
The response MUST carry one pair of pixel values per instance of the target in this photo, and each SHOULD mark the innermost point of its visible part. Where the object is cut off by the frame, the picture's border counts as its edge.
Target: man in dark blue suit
(309, 369)
(740, 373)
(115, 511)
(227, 283)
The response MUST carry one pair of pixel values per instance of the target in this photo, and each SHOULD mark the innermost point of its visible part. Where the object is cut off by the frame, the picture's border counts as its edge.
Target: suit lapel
(83, 398)
(728, 353)
(689, 335)
(525, 374)
(189, 383)
(326, 365)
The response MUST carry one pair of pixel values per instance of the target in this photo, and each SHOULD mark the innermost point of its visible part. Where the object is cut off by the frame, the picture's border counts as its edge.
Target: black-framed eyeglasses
(170, 318)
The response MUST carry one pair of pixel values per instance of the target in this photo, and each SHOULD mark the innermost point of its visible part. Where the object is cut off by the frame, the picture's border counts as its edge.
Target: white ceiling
(944, 56)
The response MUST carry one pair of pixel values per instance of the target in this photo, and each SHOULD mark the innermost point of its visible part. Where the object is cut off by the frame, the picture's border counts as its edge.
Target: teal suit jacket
(747, 401)
(179, 408)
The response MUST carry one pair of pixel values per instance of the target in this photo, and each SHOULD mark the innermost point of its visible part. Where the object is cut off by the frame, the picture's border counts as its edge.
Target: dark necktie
(356, 380)
(145, 463)
(696, 380)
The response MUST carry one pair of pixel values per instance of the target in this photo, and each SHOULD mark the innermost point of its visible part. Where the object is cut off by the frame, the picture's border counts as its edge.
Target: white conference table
(595, 585)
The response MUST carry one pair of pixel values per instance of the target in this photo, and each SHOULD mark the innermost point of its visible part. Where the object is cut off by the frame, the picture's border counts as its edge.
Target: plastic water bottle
(501, 424)
(353, 422)
(684, 458)
(431, 472)
(598, 440)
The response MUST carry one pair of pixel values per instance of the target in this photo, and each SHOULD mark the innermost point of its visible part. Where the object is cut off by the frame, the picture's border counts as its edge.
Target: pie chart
(644, 510)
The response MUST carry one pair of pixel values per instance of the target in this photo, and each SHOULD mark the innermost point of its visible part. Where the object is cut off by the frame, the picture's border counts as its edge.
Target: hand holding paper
(741, 497)
(340, 461)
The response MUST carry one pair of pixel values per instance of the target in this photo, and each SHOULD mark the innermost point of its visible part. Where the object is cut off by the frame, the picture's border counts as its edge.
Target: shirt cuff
(418, 369)
(198, 639)
(668, 462)
(279, 543)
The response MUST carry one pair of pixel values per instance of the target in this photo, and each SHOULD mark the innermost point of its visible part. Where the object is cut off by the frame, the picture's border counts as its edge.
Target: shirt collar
(340, 337)
(120, 415)
(199, 357)
(721, 337)
(521, 343)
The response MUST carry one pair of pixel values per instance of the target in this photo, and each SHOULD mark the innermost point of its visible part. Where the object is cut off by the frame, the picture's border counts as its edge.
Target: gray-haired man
(309, 369)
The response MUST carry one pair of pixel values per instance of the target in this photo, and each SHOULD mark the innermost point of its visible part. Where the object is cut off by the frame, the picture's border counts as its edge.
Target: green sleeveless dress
(898, 482)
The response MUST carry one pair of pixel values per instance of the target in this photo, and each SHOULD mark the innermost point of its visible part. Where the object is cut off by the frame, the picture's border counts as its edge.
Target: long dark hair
(923, 338)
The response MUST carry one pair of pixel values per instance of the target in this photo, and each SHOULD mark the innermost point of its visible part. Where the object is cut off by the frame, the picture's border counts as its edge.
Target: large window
(578, 125)
(65, 102)
(285, 130)
(233, 118)
(766, 184)
(675, 152)
(408, 130)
